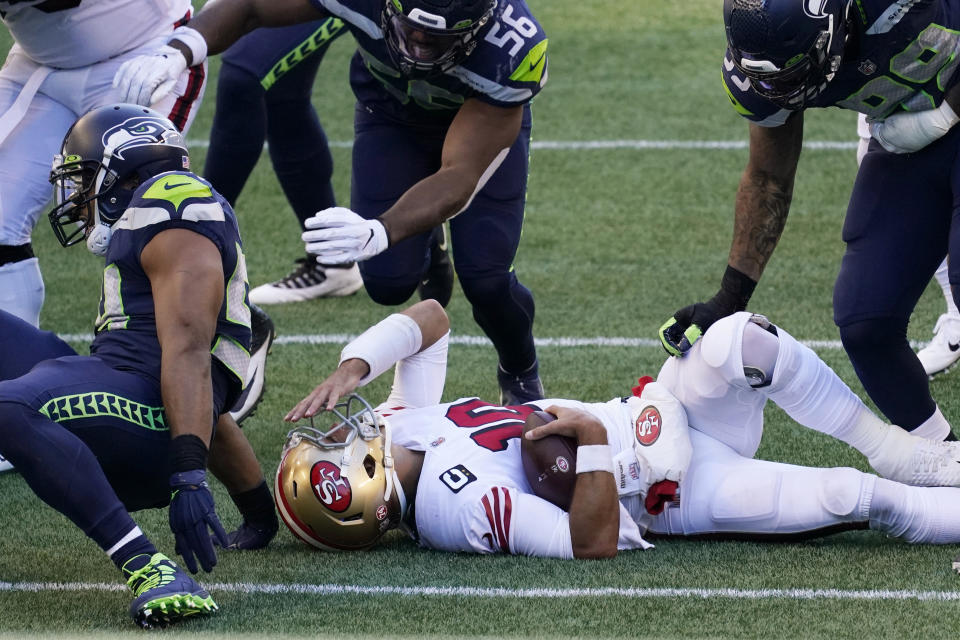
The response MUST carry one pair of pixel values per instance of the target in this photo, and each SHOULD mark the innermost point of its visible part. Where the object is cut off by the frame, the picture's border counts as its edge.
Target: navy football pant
(388, 159)
(88, 439)
(263, 93)
(897, 230)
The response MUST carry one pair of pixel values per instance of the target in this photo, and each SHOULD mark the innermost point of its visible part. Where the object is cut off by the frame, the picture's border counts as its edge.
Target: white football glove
(913, 130)
(149, 78)
(337, 235)
(661, 434)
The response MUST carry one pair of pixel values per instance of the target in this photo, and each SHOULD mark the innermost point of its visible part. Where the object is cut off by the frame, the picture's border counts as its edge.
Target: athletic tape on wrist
(384, 344)
(194, 41)
(594, 457)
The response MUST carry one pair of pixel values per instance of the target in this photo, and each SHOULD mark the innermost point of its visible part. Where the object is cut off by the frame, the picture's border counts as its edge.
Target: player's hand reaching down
(326, 395)
(192, 512)
(338, 235)
(680, 332)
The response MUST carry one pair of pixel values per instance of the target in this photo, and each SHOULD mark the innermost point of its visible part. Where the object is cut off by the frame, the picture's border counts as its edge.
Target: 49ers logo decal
(330, 489)
(648, 426)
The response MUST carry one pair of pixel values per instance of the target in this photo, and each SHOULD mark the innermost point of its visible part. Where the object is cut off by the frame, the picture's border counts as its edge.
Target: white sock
(929, 515)
(21, 289)
(944, 282)
(935, 427)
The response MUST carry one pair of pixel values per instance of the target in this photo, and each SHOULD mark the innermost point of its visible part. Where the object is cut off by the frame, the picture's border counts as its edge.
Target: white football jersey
(473, 496)
(68, 34)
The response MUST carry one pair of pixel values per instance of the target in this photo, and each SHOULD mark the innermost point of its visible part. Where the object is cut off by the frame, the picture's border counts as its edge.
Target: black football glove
(191, 514)
(259, 524)
(686, 326)
(248, 537)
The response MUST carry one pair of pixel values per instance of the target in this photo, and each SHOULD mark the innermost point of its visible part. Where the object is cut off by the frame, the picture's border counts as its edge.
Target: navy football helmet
(429, 37)
(789, 49)
(101, 153)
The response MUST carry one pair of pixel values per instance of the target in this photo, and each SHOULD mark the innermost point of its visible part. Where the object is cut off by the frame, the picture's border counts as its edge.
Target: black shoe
(516, 389)
(437, 283)
(261, 326)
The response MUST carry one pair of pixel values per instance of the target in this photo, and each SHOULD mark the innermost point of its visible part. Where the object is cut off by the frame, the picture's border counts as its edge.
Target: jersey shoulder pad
(509, 65)
(745, 100)
(175, 195)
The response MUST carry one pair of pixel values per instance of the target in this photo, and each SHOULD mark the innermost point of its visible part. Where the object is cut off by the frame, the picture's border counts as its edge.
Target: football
(549, 463)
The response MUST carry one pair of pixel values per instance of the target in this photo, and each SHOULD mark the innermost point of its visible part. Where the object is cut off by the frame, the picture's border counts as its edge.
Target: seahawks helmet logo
(815, 8)
(139, 132)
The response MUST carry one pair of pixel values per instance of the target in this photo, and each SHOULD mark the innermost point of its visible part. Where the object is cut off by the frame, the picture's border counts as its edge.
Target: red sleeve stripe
(498, 519)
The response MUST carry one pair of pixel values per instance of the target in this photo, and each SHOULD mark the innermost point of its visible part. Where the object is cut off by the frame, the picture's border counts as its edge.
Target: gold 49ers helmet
(334, 488)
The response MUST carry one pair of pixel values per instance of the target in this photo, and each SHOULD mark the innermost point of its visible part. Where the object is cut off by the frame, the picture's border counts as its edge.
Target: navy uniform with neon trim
(111, 399)
(98, 436)
(883, 59)
(401, 123)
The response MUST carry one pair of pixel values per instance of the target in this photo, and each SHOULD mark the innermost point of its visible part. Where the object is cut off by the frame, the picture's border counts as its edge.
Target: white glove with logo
(149, 78)
(337, 235)
(913, 130)
(661, 434)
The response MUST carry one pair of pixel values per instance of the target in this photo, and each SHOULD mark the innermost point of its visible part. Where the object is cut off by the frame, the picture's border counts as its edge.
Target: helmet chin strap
(393, 481)
(99, 239)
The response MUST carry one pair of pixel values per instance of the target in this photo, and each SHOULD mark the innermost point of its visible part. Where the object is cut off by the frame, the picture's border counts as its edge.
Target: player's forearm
(763, 202)
(594, 510)
(223, 22)
(429, 203)
(187, 390)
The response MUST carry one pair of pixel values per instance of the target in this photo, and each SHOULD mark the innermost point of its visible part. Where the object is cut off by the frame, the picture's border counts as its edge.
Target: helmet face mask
(334, 489)
(104, 156)
(430, 37)
(789, 50)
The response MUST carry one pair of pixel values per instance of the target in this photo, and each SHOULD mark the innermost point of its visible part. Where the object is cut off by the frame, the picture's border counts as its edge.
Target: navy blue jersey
(507, 68)
(901, 55)
(126, 331)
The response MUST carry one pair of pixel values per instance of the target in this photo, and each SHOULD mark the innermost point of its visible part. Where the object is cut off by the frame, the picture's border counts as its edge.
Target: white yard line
(578, 145)
(502, 592)
(475, 341)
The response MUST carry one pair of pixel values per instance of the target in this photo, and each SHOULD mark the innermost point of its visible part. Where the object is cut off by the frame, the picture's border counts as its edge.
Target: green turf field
(617, 237)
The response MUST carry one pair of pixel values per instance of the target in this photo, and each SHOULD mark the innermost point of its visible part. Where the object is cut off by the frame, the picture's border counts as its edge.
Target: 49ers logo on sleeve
(648, 426)
(330, 489)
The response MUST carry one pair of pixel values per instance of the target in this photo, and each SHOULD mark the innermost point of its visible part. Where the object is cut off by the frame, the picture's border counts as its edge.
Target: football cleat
(917, 461)
(5, 465)
(165, 594)
(944, 350)
(437, 283)
(519, 389)
(310, 280)
(263, 335)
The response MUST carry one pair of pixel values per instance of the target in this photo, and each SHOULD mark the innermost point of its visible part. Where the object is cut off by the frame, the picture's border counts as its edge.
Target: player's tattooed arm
(764, 194)
(223, 22)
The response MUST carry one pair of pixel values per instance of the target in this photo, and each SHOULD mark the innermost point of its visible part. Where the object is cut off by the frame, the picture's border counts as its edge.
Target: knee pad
(840, 490)
(869, 334)
(711, 386)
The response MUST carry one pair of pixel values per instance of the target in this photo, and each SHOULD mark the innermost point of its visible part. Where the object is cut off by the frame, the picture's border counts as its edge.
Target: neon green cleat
(165, 594)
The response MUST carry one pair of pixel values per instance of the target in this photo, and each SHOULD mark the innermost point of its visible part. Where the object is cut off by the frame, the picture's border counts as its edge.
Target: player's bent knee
(388, 293)
(488, 289)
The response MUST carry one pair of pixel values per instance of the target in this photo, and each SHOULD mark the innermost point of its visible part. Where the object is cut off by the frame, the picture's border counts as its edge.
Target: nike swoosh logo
(953, 347)
(167, 186)
(534, 65)
(368, 239)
